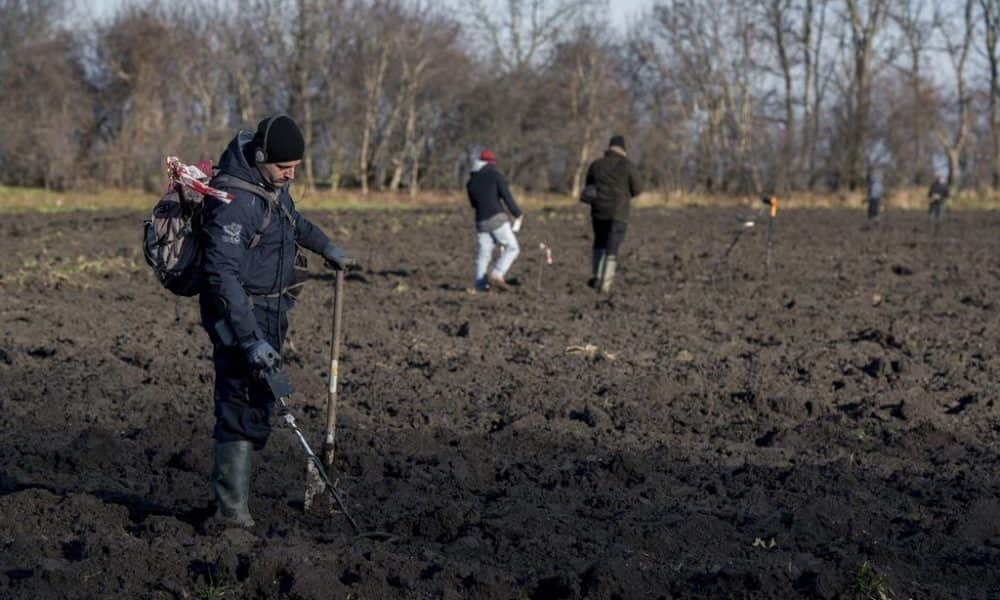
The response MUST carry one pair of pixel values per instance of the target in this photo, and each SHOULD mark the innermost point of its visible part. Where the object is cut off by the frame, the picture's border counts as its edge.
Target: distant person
(249, 247)
(489, 196)
(937, 195)
(875, 193)
(612, 182)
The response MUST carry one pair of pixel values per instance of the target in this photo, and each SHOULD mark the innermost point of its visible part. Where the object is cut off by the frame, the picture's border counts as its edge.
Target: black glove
(262, 356)
(337, 259)
(267, 368)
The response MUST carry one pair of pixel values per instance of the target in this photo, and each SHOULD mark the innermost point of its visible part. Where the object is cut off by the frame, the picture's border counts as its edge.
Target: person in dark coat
(937, 195)
(612, 181)
(249, 252)
(874, 193)
(491, 200)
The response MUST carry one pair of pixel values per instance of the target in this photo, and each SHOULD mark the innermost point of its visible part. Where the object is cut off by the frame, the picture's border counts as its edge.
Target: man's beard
(278, 181)
(273, 182)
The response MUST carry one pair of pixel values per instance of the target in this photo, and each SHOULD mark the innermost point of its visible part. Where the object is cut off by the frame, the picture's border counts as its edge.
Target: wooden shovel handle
(331, 399)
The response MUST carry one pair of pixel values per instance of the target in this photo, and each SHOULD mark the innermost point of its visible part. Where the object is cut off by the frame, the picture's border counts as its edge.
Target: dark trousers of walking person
(608, 237)
(873, 208)
(934, 211)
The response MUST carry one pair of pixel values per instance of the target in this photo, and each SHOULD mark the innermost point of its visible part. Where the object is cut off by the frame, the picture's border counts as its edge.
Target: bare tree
(136, 85)
(991, 24)
(302, 87)
(585, 64)
(815, 82)
(524, 31)
(729, 97)
(957, 48)
(427, 62)
(374, 48)
(865, 19)
(47, 119)
(778, 16)
(916, 29)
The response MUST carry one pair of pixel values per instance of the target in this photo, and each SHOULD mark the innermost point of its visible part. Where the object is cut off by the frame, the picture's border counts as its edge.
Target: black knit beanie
(283, 139)
(617, 140)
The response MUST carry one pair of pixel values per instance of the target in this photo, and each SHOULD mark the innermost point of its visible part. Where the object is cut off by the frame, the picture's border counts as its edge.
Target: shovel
(314, 482)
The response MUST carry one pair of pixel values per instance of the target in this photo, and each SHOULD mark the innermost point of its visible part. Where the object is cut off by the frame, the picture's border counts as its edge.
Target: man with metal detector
(937, 195)
(612, 181)
(250, 246)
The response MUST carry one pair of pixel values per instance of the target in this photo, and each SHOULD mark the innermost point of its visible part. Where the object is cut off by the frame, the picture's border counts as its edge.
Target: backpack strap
(270, 199)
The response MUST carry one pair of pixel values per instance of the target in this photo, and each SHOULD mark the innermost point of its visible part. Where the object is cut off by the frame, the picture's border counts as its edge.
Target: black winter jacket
(232, 271)
(486, 188)
(938, 190)
(617, 182)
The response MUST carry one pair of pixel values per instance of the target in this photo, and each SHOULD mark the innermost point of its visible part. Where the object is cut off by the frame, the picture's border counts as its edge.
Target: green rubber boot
(231, 482)
(596, 264)
(608, 275)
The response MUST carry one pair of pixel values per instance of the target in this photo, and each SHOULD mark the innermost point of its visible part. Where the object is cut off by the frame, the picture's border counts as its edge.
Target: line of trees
(734, 96)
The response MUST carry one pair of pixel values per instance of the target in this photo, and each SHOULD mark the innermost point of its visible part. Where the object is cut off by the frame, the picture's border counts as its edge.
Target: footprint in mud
(557, 586)
(962, 404)
(459, 331)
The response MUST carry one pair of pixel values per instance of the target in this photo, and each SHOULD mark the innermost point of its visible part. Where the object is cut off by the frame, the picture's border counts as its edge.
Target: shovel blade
(326, 455)
(314, 485)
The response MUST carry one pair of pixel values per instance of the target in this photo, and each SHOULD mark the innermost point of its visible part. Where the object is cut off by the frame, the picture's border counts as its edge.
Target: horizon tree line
(741, 96)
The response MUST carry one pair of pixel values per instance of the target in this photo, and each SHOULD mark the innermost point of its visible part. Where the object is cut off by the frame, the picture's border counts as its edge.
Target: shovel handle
(331, 398)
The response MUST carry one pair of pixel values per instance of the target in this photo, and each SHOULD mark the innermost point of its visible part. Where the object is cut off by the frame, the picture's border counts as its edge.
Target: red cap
(487, 156)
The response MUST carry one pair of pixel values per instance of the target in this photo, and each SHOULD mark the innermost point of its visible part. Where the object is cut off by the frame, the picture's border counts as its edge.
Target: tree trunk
(788, 160)
(373, 89)
(408, 131)
(583, 161)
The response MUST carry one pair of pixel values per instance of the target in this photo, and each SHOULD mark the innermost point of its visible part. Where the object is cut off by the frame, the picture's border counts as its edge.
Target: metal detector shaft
(773, 202)
(770, 234)
(733, 243)
(314, 460)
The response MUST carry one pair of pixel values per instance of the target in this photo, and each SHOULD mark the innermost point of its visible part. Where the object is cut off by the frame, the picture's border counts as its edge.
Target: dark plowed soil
(704, 432)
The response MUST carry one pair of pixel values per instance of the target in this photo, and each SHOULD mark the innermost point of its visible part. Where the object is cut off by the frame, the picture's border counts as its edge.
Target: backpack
(171, 235)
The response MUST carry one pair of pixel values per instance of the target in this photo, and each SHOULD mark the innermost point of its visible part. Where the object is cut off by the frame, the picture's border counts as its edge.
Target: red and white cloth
(194, 177)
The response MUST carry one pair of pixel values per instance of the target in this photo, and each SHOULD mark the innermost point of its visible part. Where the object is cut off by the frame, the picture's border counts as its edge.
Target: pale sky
(627, 11)
(622, 11)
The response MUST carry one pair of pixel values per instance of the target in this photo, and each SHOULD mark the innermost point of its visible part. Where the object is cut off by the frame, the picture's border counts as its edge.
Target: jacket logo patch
(232, 232)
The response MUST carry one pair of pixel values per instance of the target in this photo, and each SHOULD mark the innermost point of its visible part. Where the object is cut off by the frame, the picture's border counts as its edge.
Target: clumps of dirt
(825, 430)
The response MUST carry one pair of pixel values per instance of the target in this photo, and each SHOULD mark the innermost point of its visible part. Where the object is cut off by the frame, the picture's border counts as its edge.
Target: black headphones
(260, 154)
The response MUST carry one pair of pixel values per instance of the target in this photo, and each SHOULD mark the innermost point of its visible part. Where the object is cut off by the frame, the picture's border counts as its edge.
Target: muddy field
(705, 432)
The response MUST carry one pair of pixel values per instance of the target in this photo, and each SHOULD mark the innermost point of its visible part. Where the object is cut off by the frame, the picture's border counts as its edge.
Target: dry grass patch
(81, 272)
(17, 200)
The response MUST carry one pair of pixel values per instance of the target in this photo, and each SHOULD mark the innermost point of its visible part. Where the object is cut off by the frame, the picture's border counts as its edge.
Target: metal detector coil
(311, 458)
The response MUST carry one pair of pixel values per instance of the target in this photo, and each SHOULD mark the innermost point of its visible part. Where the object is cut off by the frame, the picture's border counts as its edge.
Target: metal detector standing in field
(771, 201)
(541, 264)
(315, 476)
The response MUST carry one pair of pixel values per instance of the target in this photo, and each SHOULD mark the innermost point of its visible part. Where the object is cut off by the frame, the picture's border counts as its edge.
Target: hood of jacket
(234, 160)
